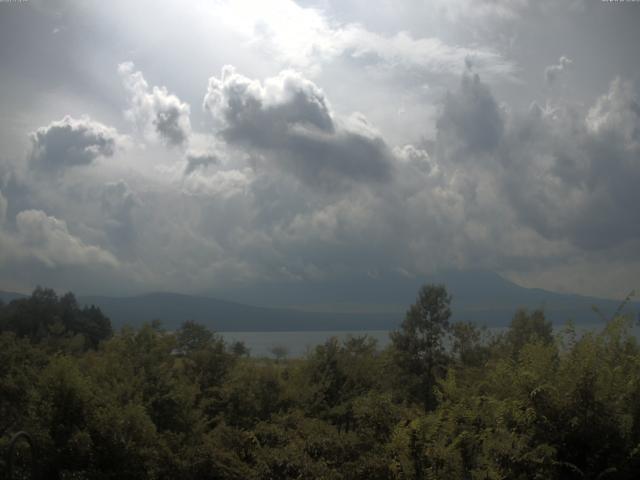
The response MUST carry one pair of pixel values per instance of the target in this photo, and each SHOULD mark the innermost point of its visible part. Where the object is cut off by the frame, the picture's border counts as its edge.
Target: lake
(299, 342)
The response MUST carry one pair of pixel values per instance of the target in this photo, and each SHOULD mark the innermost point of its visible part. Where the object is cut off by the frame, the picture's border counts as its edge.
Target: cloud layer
(71, 142)
(289, 121)
(291, 191)
(552, 72)
(49, 240)
(155, 110)
(345, 141)
(3, 208)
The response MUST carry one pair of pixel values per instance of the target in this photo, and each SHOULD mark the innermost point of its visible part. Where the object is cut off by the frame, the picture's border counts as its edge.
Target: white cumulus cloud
(48, 239)
(154, 109)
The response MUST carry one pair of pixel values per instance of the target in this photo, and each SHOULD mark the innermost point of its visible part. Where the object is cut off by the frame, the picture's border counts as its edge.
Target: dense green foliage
(57, 321)
(443, 401)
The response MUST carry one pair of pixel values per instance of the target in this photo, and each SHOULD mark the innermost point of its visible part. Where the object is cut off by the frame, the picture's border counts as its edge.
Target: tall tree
(528, 327)
(419, 344)
(44, 316)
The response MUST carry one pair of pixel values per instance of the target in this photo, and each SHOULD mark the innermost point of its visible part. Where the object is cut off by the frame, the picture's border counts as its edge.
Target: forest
(443, 401)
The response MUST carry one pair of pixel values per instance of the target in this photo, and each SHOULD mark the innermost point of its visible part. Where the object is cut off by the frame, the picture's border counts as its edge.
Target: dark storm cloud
(118, 202)
(3, 207)
(590, 185)
(71, 142)
(471, 121)
(566, 173)
(289, 118)
(199, 160)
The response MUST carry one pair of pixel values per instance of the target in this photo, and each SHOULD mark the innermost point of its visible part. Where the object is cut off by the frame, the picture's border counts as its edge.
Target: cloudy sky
(195, 146)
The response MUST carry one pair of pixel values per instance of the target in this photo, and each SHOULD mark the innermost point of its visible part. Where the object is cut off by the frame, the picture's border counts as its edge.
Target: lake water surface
(299, 343)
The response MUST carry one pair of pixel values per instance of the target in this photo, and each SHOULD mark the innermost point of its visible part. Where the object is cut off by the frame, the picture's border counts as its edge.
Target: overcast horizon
(202, 145)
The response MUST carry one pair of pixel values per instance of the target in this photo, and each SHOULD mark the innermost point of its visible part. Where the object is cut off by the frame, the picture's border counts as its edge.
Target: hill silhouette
(367, 304)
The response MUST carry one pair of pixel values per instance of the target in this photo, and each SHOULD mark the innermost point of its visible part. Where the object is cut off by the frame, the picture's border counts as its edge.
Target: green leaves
(58, 322)
(419, 345)
(152, 404)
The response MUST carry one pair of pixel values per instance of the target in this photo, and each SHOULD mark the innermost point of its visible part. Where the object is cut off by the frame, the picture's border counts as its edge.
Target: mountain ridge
(372, 304)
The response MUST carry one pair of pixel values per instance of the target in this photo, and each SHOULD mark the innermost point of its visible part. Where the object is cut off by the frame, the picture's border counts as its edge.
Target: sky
(199, 146)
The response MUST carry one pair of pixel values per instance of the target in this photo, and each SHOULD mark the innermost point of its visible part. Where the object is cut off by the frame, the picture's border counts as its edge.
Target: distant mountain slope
(6, 297)
(353, 304)
(481, 296)
(173, 309)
